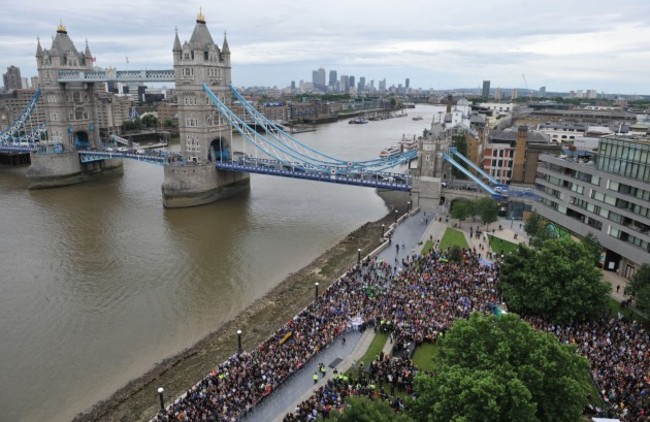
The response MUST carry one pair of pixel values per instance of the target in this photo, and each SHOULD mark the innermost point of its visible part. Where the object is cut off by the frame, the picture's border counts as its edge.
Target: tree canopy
(501, 369)
(485, 208)
(639, 288)
(558, 282)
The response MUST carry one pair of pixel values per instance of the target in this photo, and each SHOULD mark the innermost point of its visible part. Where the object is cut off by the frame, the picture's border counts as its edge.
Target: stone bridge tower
(433, 169)
(71, 115)
(70, 109)
(205, 137)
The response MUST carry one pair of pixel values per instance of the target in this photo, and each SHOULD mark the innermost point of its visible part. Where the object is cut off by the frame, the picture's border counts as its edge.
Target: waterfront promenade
(320, 321)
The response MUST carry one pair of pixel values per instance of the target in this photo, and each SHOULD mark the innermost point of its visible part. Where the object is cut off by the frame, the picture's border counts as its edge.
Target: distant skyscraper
(353, 82)
(35, 82)
(486, 89)
(382, 85)
(542, 91)
(318, 78)
(408, 83)
(333, 79)
(12, 79)
(345, 83)
(497, 94)
(362, 84)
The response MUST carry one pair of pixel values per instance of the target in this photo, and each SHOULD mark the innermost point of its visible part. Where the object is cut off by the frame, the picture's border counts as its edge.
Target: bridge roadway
(382, 180)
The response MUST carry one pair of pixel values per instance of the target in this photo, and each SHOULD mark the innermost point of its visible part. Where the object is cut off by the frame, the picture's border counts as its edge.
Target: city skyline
(511, 43)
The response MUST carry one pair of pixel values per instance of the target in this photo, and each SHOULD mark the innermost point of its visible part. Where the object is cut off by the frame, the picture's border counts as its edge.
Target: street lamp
(316, 290)
(358, 255)
(396, 212)
(383, 230)
(239, 348)
(408, 205)
(160, 396)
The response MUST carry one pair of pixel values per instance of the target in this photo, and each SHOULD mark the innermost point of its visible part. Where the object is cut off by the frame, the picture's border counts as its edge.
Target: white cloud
(563, 45)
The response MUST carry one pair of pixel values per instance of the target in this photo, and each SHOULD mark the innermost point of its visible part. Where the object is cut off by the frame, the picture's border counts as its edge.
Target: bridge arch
(81, 140)
(219, 149)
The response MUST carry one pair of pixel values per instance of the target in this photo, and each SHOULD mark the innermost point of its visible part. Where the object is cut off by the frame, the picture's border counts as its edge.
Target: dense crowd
(415, 304)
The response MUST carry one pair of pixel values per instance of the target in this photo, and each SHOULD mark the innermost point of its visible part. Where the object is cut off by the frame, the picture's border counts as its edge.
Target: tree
(639, 288)
(461, 209)
(149, 120)
(361, 409)
(593, 245)
(558, 282)
(487, 209)
(501, 369)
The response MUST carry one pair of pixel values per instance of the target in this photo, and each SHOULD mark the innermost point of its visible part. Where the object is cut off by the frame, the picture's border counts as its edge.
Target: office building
(511, 156)
(333, 79)
(12, 79)
(486, 89)
(606, 193)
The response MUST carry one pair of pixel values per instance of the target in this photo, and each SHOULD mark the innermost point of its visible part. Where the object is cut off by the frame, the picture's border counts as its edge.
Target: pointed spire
(39, 50)
(87, 52)
(225, 49)
(200, 18)
(177, 41)
(60, 28)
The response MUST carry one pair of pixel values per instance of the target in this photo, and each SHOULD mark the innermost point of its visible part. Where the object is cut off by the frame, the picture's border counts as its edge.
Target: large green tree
(487, 209)
(493, 368)
(461, 209)
(558, 282)
(361, 409)
(639, 288)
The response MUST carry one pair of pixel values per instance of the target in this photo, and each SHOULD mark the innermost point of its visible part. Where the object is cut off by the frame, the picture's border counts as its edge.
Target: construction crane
(530, 95)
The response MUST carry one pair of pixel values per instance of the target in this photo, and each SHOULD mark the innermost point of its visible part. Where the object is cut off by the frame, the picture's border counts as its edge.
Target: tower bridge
(68, 149)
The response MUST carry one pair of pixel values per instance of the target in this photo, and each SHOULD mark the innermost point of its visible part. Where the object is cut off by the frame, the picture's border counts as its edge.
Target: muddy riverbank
(138, 400)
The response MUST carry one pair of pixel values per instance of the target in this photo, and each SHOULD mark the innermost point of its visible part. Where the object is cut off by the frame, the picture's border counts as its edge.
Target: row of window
(591, 222)
(625, 168)
(629, 190)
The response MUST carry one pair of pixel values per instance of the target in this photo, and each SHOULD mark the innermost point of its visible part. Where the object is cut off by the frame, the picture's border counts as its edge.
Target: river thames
(99, 282)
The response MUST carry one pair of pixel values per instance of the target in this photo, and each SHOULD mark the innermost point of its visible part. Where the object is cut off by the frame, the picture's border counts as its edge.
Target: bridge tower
(427, 188)
(205, 136)
(70, 110)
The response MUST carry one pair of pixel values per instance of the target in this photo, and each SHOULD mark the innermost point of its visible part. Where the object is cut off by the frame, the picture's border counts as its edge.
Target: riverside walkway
(411, 234)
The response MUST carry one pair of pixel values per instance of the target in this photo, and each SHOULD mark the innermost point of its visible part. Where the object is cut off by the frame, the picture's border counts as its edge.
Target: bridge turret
(89, 56)
(39, 49)
(177, 45)
(225, 50)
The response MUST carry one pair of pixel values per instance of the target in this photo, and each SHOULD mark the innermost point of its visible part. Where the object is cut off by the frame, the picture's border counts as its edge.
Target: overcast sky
(563, 45)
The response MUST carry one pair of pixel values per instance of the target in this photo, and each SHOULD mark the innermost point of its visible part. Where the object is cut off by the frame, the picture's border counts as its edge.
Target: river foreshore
(138, 400)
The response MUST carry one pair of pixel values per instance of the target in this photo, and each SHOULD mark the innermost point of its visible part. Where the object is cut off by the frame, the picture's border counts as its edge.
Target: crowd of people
(383, 372)
(418, 302)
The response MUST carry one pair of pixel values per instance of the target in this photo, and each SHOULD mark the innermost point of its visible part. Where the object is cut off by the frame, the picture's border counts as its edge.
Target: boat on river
(408, 144)
(358, 121)
(391, 151)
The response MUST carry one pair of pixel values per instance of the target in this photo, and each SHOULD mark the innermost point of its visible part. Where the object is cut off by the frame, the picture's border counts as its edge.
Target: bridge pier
(426, 192)
(199, 184)
(55, 170)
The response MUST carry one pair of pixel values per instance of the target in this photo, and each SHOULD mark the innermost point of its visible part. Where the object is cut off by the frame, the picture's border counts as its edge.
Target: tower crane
(530, 95)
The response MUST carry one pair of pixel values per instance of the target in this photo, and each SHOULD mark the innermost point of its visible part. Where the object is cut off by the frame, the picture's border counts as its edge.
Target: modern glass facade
(625, 158)
(608, 197)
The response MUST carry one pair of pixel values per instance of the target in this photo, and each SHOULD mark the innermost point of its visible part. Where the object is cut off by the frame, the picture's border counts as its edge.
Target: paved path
(411, 233)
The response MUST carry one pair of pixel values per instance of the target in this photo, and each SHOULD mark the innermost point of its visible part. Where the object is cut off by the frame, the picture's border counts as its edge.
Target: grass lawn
(615, 306)
(453, 237)
(499, 245)
(375, 348)
(427, 247)
(423, 357)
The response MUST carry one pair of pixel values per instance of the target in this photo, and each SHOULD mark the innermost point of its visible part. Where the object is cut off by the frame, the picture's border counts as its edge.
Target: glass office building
(606, 193)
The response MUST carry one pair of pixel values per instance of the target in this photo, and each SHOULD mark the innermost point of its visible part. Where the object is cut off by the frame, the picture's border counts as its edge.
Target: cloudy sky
(563, 45)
